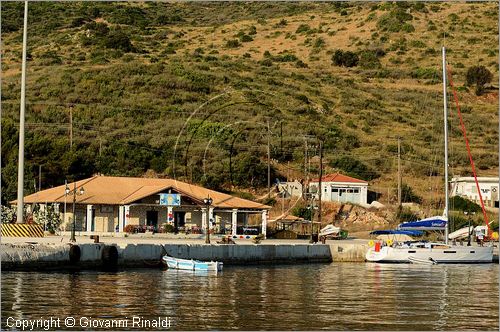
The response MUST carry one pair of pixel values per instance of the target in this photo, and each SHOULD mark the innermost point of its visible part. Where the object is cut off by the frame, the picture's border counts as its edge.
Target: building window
(356, 191)
(335, 190)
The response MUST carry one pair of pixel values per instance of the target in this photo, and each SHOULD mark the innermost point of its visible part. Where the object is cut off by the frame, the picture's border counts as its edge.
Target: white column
(126, 218)
(89, 219)
(170, 215)
(234, 221)
(211, 217)
(264, 222)
(121, 214)
(203, 219)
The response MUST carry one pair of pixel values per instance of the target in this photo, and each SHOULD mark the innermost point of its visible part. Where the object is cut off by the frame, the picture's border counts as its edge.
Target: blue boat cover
(397, 231)
(432, 223)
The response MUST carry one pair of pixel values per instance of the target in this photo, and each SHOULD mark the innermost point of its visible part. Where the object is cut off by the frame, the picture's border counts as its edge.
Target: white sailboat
(432, 252)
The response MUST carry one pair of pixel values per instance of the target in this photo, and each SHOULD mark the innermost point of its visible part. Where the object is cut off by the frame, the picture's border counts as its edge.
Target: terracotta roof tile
(110, 190)
(337, 177)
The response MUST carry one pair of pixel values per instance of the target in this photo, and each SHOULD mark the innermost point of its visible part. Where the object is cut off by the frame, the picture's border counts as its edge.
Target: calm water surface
(303, 297)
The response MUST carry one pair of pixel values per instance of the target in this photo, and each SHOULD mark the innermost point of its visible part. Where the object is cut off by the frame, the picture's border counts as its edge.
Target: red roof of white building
(337, 177)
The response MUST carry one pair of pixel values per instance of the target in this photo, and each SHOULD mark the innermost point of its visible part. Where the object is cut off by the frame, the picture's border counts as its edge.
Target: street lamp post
(207, 201)
(74, 192)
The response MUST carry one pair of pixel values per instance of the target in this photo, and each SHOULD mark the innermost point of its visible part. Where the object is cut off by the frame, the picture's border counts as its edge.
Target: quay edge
(30, 256)
(99, 255)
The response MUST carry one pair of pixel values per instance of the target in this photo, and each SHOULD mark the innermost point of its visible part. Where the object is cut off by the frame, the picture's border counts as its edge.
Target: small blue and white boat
(191, 264)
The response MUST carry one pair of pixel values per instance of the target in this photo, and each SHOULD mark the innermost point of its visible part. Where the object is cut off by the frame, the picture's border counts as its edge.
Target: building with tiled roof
(109, 204)
(341, 188)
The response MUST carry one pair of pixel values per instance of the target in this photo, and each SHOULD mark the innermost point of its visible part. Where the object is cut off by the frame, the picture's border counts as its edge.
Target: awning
(427, 224)
(396, 232)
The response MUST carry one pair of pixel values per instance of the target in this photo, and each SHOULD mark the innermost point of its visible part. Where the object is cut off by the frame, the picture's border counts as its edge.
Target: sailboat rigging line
(464, 132)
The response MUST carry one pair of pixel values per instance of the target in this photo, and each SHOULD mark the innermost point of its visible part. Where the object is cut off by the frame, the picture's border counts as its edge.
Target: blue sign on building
(170, 199)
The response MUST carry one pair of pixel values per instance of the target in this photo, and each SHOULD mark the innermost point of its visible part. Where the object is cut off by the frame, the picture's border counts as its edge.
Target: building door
(342, 195)
(152, 219)
(179, 219)
(335, 195)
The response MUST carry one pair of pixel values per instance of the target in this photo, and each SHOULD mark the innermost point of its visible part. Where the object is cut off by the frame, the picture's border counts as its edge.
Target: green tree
(250, 171)
(354, 167)
(478, 76)
(408, 195)
(345, 59)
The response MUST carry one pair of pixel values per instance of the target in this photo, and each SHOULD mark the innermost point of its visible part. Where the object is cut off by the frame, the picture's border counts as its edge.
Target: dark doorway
(179, 219)
(152, 219)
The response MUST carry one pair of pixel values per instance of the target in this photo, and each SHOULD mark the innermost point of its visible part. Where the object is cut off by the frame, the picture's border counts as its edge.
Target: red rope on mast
(464, 132)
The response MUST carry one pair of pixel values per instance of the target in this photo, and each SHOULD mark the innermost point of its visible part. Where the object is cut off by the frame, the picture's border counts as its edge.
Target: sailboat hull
(440, 254)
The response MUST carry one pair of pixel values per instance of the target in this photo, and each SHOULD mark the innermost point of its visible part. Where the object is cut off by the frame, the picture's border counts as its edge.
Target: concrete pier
(100, 255)
(115, 252)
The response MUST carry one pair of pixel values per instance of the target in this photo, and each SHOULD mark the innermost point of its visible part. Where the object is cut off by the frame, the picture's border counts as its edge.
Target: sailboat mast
(445, 110)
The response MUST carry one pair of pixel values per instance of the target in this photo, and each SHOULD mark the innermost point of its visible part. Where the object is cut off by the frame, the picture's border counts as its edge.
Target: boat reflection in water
(304, 297)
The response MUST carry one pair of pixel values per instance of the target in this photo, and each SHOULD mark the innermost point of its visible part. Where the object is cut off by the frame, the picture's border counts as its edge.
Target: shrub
(303, 28)
(345, 59)
(282, 23)
(271, 201)
(407, 27)
(8, 214)
(405, 215)
(287, 57)
(408, 195)
(49, 218)
(319, 43)
(50, 58)
(129, 229)
(118, 40)
(395, 21)
(354, 167)
(266, 62)
(167, 228)
(417, 44)
(233, 43)
(458, 203)
(425, 73)
(246, 38)
(368, 59)
(478, 76)
(301, 64)
(302, 212)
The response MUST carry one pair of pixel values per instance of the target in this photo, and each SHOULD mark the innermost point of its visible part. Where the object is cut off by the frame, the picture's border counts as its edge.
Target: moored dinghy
(191, 264)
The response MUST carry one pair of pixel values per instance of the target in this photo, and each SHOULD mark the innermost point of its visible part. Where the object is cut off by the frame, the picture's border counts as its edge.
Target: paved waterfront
(161, 240)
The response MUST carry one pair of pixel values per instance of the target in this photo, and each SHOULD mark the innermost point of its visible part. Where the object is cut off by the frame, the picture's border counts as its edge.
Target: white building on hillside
(466, 187)
(341, 188)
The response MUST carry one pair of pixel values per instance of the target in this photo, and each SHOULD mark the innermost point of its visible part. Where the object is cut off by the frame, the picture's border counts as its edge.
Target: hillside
(196, 90)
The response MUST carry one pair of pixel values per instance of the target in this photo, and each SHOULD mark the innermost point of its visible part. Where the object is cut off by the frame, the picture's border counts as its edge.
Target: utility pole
(281, 139)
(306, 184)
(71, 127)
(20, 167)
(39, 177)
(288, 172)
(399, 172)
(320, 180)
(268, 160)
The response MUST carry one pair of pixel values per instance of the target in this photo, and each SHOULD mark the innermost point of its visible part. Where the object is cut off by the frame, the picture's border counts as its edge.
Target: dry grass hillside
(189, 89)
